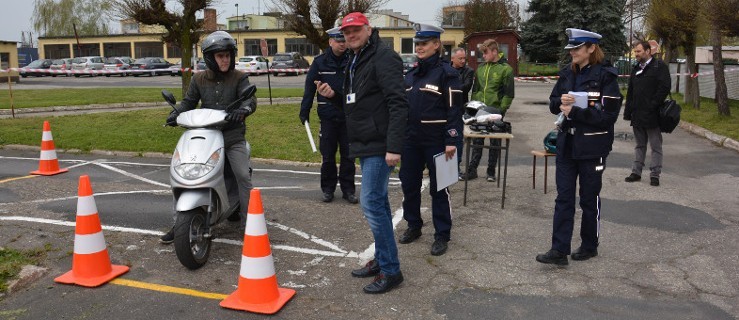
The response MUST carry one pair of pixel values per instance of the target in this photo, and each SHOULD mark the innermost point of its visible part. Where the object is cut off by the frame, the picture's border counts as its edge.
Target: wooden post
(10, 91)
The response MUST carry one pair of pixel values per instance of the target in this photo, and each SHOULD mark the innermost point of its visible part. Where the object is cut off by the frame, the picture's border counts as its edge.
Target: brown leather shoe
(372, 268)
(384, 283)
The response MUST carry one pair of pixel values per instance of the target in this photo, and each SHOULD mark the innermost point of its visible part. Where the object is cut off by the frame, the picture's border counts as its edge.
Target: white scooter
(201, 180)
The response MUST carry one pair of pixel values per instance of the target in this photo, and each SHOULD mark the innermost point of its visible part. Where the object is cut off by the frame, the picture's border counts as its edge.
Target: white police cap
(578, 37)
(425, 32)
(336, 34)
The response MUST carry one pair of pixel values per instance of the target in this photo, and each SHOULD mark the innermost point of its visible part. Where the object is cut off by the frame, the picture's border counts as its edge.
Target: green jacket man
(493, 86)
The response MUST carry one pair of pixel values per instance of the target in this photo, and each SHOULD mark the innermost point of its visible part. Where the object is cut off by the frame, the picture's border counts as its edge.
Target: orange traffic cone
(257, 290)
(48, 163)
(90, 264)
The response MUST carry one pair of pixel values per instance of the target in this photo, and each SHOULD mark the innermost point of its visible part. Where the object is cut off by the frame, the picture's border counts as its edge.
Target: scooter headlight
(192, 171)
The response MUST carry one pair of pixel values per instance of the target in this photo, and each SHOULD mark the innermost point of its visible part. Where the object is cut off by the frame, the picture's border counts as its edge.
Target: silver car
(88, 63)
(61, 64)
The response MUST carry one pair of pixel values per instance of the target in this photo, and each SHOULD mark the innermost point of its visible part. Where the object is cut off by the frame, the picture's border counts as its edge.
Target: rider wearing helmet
(217, 88)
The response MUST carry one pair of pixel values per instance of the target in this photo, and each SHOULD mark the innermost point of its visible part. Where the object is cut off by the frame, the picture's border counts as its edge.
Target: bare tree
(302, 16)
(183, 29)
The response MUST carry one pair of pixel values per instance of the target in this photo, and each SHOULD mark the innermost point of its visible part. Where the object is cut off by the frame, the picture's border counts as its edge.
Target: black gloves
(238, 115)
(303, 118)
(172, 119)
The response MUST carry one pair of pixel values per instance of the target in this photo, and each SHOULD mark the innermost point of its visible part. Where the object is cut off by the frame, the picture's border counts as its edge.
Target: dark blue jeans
(376, 207)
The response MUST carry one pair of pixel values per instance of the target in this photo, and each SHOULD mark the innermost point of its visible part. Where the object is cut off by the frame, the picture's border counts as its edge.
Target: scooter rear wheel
(190, 243)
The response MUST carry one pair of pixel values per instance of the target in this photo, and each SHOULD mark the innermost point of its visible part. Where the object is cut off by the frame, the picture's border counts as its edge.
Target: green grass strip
(36, 98)
(274, 132)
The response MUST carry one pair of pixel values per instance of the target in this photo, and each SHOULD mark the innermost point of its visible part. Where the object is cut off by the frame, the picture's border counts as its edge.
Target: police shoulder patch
(453, 133)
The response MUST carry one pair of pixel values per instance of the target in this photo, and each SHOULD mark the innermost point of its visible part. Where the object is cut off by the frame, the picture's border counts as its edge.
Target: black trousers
(333, 136)
(415, 160)
(590, 175)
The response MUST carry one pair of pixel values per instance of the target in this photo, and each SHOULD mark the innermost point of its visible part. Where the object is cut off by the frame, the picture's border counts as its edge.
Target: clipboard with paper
(446, 171)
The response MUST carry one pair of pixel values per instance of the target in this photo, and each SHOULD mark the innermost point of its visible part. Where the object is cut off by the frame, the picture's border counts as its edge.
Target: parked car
(36, 64)
(88, 63)
(175, 69)
(61, 64)
(289, 60)
(151, 65)
(409, 62)
(253, 64)
(200, 65)
(118, 64)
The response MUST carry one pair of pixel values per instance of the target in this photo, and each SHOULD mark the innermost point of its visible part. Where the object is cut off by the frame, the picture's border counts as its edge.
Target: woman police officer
(584, 140)
(434, 126)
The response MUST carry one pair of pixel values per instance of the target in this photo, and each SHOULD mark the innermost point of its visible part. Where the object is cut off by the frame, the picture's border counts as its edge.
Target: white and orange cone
(257, 290)
(48, 163)
(91, 265)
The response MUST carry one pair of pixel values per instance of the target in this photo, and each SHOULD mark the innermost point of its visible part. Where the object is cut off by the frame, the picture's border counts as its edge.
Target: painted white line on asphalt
(36, 159)
(95, 194)
(131, 175)
(307, 236)
(343, 254)
(369, 253)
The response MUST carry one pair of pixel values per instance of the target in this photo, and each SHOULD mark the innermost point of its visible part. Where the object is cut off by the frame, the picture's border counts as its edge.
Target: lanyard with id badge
(351, 96)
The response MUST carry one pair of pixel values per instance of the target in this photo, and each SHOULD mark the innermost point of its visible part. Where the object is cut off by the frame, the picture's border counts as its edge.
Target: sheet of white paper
(581, 99)
(446, 171)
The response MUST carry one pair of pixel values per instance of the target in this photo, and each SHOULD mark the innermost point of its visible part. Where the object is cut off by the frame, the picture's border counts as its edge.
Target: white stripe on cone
(257, 268)
(89, 243)
(46, 136)
(48, 155)
(255, 225)
(86, 206)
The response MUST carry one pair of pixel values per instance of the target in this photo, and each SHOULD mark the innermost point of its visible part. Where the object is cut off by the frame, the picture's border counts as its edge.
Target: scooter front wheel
(191, 243)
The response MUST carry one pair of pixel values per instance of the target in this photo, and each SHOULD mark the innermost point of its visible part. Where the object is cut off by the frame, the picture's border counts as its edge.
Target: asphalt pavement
(667, 252)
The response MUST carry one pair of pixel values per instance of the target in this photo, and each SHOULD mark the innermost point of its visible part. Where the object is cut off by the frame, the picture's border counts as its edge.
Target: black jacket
(647, 91)
(377, 116)
(467, 76)
(434, 96)
(593, 125)
(327, 68)
(218, 91)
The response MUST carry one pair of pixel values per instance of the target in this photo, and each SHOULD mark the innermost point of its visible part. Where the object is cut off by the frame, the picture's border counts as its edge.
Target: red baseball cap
(353, 19)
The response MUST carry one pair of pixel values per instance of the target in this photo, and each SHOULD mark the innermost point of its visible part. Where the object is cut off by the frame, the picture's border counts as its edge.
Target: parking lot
(164, 81)
(666, 252)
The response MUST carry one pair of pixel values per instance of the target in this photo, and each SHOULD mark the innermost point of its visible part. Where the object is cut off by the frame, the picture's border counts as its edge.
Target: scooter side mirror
(169, 97)
(248, 92)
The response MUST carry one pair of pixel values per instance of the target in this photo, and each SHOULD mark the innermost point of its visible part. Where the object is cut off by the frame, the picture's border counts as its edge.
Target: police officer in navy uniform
(329, 68)
(584, 140)
(434, 94)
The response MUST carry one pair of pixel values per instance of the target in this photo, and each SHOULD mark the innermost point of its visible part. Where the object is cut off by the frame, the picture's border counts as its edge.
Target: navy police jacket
(435, 98)
(327, 68)
(591, 127)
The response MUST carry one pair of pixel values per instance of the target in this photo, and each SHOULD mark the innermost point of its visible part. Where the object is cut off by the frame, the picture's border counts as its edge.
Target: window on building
(121, 49)
(4, 60)
(302, 46)
(406, 46)
(173, 51)
(87, 49)
(56, 51)
(389, 41)
(148, 49)
(252, 47)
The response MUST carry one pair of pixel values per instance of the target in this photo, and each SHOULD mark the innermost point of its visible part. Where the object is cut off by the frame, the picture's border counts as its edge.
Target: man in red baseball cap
(374, 101)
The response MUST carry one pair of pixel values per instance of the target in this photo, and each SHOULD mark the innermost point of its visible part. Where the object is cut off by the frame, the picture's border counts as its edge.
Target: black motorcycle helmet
(216, 42)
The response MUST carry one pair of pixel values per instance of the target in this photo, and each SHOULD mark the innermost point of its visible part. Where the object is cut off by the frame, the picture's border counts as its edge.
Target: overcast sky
(17, 14)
